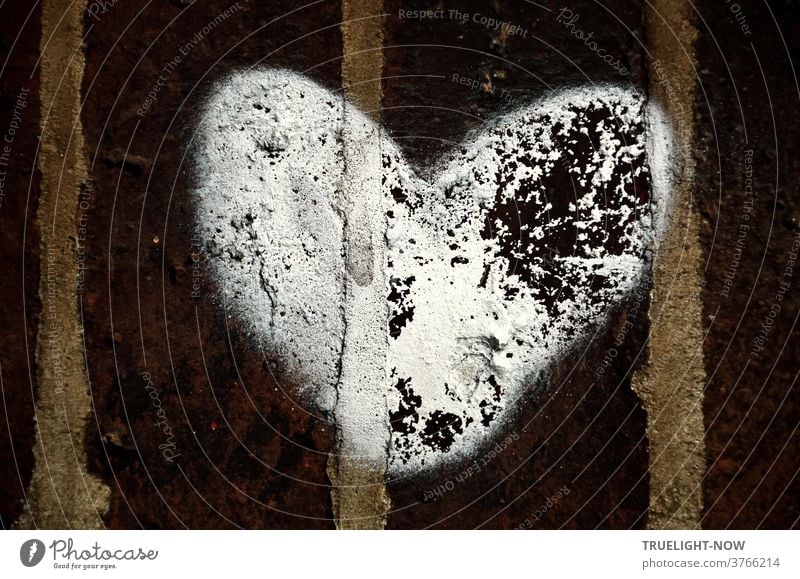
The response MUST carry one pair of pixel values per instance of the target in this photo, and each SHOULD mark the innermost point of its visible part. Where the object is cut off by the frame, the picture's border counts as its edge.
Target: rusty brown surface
(541, 56)
(748, 87)
(19, 250)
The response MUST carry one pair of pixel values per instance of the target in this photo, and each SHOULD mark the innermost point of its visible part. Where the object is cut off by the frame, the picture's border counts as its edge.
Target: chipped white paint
(662, 160)
(361, 412)
(445, 294)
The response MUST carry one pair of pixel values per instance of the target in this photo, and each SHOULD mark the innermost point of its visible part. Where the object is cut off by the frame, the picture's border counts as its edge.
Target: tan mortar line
(62, 494)
(358, 493)
(671, 383)
(362, 65)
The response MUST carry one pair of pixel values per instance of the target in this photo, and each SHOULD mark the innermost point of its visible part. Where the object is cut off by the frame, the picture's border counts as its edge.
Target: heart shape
(418, 306)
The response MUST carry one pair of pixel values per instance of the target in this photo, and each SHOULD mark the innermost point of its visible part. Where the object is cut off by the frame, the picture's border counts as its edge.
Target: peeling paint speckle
(491, 266)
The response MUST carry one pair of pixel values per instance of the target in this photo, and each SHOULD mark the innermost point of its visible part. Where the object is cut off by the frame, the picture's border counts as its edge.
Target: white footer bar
(406, 554)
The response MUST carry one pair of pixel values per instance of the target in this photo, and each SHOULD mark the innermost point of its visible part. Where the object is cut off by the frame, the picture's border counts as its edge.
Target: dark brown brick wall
(19, 249)
(748, 95)
(249, 457)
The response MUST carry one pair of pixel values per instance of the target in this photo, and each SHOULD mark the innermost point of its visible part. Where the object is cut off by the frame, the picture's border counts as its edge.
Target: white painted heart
(418, 310)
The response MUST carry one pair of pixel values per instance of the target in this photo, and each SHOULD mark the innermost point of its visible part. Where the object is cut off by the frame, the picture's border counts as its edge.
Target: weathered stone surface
(748, 179)
(249, 454)
(19, 249)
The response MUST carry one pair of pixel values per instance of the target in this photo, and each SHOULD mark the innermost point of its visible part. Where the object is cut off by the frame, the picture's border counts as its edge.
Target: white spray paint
(361, 412)
(662, 161)
(416, 310)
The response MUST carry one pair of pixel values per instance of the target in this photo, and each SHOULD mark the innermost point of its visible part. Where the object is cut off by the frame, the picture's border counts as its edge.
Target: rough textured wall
(185, 422)
(747, 194)
(19, 248)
